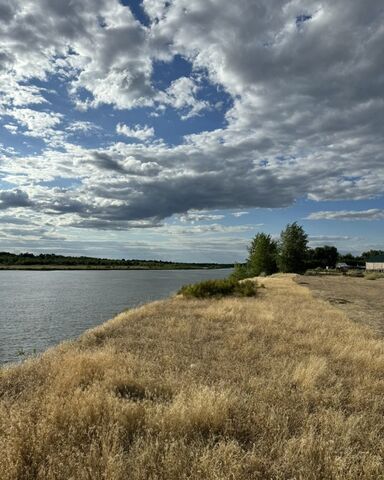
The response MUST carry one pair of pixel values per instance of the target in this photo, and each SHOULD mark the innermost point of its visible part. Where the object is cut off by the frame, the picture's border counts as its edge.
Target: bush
(219, 288)
(240, 272)
(247, 288)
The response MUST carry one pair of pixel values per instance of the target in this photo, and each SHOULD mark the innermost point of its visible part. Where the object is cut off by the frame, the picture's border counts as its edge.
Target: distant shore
(108, 267)
(52, 261)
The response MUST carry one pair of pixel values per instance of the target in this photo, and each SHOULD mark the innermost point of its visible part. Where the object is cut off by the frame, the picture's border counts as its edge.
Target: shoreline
(101, 267)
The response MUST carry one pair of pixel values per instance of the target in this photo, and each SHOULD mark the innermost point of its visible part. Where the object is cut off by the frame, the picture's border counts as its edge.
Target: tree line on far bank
(51, 259)
(291, 254)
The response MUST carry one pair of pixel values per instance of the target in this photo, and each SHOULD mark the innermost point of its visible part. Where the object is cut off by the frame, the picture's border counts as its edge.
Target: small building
(375, 263)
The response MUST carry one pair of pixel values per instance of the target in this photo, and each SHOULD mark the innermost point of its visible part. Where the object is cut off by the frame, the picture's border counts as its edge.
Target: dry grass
(283, 386)
(373, 275)
(361, 300)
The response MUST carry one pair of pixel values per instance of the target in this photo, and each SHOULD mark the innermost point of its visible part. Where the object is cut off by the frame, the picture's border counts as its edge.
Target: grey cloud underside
(104, 161)
(213, 191)
(307, 116)
(14, 199)
(157, 200)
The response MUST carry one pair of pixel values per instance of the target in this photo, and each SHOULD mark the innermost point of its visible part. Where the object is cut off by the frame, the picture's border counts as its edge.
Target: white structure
(342, 266)
(375, 263)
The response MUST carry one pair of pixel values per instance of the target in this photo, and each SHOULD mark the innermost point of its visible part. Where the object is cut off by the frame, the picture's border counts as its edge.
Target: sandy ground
(362, 300)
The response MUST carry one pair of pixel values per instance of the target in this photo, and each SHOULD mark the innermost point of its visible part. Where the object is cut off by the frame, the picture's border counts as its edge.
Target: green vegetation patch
(220, 288)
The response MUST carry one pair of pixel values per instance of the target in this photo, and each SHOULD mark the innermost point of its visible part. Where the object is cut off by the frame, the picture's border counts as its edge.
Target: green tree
(262, 255)
(371, 253)
(325, 256)
(293, 249)
(350, 259)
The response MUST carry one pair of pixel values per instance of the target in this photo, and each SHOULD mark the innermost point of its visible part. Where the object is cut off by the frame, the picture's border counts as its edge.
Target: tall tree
(325, 256)
(262, 255)
(293, 249)
(371, 253)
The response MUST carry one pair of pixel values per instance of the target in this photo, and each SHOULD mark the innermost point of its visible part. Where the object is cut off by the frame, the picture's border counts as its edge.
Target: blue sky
(178, 130)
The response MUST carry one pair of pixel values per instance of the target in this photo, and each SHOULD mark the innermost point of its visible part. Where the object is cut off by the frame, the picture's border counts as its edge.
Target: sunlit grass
(281, 386)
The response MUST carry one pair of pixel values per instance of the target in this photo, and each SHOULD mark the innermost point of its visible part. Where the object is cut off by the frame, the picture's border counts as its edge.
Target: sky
(179, 129)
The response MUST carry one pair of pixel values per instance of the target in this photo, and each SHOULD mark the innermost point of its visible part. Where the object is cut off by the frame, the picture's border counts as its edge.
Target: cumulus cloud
(13, 199)
(37, 123)
(371, 214)
(126, 165)
(305, 80)
(182, 95)
(140, 132)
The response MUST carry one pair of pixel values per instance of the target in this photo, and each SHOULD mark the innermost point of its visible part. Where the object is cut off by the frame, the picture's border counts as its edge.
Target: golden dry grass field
(282, 386)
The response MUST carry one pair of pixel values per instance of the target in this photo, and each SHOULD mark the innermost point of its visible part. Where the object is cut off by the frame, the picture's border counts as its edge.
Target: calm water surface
(40, 309)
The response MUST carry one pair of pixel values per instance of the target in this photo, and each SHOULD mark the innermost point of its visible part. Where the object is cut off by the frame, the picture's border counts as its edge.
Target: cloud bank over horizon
(128, 120)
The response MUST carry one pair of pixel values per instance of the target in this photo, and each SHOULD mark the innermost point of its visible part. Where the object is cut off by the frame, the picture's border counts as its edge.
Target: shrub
(219, 288)
(246, 288)
(240, 272)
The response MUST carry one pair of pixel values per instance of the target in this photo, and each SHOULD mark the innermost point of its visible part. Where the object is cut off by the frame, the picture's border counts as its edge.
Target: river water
(39, 309)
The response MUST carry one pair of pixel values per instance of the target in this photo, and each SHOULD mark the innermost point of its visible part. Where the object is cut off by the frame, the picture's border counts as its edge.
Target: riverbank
(283, 385)
(51, 261)
(106, 267)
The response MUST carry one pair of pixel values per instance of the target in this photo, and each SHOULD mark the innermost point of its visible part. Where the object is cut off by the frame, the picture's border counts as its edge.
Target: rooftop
(377, 258)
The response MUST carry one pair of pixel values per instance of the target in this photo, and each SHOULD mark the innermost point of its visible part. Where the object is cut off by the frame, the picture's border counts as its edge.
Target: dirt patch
(361, 299)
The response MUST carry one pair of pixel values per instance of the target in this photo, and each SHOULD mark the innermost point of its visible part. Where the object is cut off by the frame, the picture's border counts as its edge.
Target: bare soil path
(361, 299)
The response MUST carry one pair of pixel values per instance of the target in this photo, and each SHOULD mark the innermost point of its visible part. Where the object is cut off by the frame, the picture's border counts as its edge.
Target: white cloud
(140, 132)
(13, 129)
(193, 216)
(209, 229)
(18, 95)
(239, 214)
(83, 127)
(181, 95)
(306, 117)
(37, 123)
(351, 215)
